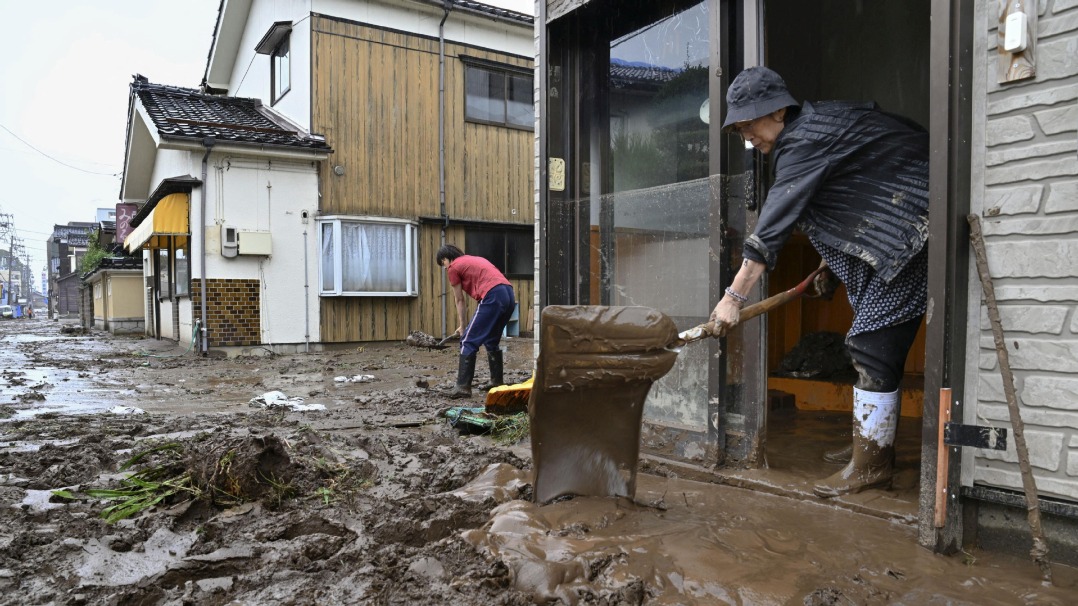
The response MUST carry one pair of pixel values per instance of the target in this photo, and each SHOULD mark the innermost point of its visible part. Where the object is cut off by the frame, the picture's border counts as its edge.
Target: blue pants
(489, 321)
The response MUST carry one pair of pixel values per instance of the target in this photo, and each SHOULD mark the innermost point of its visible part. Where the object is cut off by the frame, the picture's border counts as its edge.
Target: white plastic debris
(355, 379)
(277, 399)
(126, 410)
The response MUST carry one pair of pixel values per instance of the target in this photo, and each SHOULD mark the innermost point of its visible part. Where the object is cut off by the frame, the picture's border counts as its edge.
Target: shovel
(703, 331)
(452, 337)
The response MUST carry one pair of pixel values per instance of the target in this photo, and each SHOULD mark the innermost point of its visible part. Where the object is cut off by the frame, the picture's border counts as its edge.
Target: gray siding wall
(1025, 188)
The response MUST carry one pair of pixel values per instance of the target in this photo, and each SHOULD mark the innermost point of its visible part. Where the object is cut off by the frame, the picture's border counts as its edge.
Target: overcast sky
(65, 67)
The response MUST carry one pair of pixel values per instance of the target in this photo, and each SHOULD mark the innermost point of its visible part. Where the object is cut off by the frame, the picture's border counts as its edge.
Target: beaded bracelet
(736, 296)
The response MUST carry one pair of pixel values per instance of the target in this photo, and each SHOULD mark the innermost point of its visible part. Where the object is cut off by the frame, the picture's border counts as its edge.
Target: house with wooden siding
(653, 208)
(428, 107)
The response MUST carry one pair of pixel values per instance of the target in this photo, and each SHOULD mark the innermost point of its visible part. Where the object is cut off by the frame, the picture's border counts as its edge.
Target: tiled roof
(122, 262)
(186, 113)
(624, 74)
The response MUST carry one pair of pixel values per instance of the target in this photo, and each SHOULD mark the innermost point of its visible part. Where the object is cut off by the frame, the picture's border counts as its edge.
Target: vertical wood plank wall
(375, 98)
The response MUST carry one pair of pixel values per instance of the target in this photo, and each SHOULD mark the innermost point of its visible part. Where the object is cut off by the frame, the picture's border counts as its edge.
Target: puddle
(37, 501)
(28, 446)
(101, 566)
(28, 338)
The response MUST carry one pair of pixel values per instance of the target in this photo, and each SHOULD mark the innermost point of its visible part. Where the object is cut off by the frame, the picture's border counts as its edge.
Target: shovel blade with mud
(595, 367)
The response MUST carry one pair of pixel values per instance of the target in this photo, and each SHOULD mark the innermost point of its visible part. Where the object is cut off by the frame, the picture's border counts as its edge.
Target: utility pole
(12, 256)
(28, 289)
(5, 222)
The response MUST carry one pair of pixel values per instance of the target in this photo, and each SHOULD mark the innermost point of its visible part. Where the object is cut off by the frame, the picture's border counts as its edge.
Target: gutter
(303, 154)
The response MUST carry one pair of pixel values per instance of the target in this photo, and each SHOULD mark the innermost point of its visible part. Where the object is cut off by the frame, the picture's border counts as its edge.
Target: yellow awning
(168, 218)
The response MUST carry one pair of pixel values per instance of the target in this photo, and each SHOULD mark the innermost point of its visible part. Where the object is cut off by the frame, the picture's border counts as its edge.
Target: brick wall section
(233, 311)
(1025, 166)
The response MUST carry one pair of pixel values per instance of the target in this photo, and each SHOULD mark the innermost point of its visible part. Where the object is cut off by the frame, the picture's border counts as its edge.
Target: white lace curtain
(373, 257)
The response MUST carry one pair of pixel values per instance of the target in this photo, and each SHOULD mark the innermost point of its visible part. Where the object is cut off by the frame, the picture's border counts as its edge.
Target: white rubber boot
(875, 421)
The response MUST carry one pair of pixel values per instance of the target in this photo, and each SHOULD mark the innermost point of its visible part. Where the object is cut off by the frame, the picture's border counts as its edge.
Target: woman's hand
(726, 315)
(825, 283)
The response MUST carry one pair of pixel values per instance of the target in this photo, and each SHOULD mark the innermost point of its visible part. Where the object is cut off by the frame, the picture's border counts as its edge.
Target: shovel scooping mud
(595, 368)
(418, 338)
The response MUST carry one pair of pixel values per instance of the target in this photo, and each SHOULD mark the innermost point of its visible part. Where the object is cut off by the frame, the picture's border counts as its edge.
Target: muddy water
(683, 542)
(595, 368)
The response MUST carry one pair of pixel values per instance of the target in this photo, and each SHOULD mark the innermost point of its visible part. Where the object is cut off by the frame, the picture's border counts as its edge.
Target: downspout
(208, 143)
(441, 153)
(306, 285)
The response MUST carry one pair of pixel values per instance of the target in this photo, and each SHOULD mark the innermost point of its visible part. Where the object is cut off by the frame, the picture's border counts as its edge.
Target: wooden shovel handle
(776, 301)
(762, 307)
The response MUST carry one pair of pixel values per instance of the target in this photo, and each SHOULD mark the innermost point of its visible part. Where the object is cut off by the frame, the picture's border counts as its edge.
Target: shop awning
(168, 218)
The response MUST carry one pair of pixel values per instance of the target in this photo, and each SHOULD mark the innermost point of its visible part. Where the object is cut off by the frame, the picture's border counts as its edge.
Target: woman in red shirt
(484, 283)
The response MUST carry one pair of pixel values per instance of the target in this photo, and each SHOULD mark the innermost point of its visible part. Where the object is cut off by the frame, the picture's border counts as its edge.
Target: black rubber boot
(494, 358)
(465, 372)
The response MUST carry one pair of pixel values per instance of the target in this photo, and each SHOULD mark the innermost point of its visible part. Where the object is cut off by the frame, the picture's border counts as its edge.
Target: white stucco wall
(265, 196)
(257, 195)
(1025, 188)
(251, 73)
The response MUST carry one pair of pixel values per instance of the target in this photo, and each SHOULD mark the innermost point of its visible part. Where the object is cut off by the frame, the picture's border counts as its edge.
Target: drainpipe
(208, 143)
(306, 288)
(441, 151)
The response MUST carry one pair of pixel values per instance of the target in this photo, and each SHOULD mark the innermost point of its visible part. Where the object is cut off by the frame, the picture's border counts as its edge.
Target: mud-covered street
(377, 500)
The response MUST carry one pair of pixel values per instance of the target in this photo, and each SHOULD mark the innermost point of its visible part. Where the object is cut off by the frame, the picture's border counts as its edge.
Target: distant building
(65, 248)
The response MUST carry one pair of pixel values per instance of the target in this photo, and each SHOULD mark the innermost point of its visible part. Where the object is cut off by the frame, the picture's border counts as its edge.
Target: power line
(61, 162)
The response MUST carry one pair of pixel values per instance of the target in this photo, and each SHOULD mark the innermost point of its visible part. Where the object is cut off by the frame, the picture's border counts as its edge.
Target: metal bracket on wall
(975, 436)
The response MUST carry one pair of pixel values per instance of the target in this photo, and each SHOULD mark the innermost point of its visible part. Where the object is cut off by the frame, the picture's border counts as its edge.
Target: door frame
(950, 171)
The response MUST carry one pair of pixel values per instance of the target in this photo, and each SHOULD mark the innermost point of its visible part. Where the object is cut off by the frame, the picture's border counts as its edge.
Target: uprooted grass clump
(227, 470)
(510, 429)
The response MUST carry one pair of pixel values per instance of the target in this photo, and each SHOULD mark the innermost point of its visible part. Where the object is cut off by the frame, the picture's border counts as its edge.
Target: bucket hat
(755, 92)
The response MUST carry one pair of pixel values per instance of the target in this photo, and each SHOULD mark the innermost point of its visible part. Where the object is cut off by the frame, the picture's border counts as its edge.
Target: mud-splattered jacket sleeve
(801, 168)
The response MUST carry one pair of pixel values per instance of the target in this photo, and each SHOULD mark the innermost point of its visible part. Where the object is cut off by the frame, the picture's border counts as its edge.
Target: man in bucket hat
(855, 180)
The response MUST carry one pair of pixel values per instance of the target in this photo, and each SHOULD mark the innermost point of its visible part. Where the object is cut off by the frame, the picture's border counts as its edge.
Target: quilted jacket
(852, 176)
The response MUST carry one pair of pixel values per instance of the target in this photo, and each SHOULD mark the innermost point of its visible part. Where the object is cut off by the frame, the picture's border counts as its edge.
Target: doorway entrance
(648, 203)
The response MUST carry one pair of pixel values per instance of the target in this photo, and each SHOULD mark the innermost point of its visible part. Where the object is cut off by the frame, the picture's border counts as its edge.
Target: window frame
(286, 44)
(163, 256)
(411, 242)
(503, 264)
(176, 281)
(507, 71)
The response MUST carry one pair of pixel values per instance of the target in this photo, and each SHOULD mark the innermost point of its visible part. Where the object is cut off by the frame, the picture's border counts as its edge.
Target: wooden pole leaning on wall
(1039, 552)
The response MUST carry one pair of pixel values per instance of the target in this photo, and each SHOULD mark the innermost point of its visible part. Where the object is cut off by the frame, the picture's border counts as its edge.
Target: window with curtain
(499, 95)
(367, 257)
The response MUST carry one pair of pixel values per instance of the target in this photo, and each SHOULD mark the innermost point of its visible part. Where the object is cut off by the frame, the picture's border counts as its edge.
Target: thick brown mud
(595, 368)
(376, 501)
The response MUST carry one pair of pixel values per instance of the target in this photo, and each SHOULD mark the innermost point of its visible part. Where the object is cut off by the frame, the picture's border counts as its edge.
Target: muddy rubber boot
(875, 420)
(494, 358)
(839, 455)
(465, 372)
